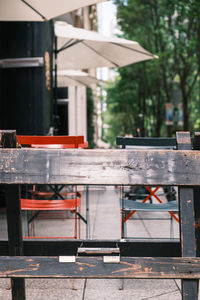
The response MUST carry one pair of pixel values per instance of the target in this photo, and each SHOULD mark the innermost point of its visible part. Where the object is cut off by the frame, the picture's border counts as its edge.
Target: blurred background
(155, 97)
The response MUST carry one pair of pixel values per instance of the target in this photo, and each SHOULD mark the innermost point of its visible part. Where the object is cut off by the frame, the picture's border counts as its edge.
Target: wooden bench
(21, 259)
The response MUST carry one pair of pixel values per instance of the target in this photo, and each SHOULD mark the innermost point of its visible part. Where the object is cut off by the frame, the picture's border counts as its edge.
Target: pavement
(104, 224)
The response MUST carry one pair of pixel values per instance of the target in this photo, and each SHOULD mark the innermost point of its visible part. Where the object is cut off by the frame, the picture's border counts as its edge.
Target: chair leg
(123, 215)
(73, 285)
(171, 227)
(87, 212)
(125, 229)
(121, 288)
(75, 233)
(123, 234)
(75, 225)
(32, 227)
(79, 224)
(26, 223)
(123, 226)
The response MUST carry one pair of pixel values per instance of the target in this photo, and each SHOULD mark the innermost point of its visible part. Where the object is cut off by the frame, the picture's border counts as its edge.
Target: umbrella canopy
(83, 49)
(39, 10)
(74, 78)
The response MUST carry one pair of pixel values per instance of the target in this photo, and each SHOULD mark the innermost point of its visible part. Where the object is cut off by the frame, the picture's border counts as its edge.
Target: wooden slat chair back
(159, 259)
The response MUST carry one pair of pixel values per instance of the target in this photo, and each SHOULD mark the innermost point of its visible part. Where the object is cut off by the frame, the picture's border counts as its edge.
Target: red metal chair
(53, 198)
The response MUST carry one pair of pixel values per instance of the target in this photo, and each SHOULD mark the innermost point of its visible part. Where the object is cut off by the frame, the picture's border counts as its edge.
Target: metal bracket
(98, 251)
(111, 259)
(67, 259)
(23, 62)
(110, 255)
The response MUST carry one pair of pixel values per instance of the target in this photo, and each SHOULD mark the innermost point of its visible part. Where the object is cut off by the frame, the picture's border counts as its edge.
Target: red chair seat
(66, 204)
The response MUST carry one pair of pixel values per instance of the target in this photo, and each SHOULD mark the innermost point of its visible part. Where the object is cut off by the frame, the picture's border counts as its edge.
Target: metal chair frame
(56, 194)
(151, 142)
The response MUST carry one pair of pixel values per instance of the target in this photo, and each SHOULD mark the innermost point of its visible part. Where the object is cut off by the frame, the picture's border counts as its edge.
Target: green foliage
(90, 115)
(171, 30)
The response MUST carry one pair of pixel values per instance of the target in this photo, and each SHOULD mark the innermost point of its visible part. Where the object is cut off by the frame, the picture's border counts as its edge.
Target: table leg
(87, 213)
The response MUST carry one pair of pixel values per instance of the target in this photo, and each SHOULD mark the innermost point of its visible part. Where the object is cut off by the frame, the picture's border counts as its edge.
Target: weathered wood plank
(94, 267)
(14, 221)
(187, 228)
(188, 247)
(152, 167)
(183, 140)
(8, 139)
(141, 248)
(15, 245)
(196, 146)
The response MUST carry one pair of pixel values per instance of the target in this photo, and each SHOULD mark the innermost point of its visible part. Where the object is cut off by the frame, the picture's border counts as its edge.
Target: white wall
(77, 111)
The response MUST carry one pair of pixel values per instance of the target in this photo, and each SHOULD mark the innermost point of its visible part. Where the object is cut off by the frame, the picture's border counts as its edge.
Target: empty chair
(129, 198)
(52, 198)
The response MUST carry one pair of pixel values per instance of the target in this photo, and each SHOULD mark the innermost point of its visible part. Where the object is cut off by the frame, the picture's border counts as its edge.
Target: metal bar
(28, 62)
(82, 218)
(35, 10)
(87, 213)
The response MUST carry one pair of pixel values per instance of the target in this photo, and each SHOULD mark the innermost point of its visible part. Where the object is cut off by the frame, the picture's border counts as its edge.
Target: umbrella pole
(76, 110)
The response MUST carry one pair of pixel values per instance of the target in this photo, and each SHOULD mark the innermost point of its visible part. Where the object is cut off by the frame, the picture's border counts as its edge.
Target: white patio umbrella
(39, 10)
(75, 78)
(82, 49)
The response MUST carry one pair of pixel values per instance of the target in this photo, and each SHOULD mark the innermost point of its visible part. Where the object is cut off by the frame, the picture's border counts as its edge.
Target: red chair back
(60, 141)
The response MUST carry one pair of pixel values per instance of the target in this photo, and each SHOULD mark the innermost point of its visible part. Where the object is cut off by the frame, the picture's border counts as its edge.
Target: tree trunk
(185, 105)
(159, 118)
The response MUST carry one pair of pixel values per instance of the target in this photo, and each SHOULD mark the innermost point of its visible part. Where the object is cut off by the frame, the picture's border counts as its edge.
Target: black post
(14, 222)
(187, 223)
(55, 87)
(196, 146)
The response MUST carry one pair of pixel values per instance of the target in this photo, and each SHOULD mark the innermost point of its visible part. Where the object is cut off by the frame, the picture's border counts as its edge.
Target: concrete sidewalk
(104, 224)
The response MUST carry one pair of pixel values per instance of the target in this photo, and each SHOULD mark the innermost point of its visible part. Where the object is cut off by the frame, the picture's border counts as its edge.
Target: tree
(170, 29)
(90, 122)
